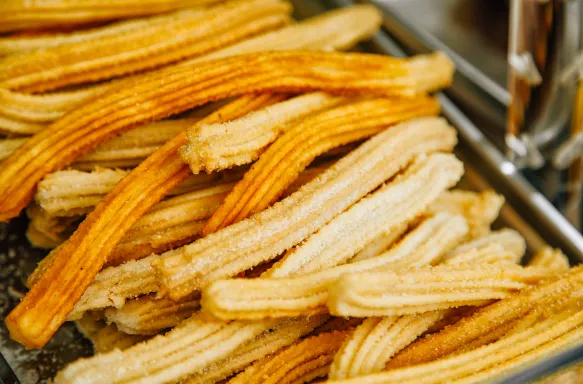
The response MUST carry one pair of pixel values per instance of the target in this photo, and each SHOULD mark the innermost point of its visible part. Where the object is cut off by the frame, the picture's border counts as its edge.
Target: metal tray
(526, 210)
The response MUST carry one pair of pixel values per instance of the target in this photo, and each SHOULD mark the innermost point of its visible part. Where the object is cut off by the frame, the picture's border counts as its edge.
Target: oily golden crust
(165, 171)
(335, 30)
(276, 229)
(163, 93)
(294, 362)
(280, 164)
(421, 290)
(261, 298)
(20, 14)
(193, 33)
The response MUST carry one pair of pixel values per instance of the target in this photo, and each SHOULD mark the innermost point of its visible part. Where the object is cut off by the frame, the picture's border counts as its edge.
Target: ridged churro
(260, 298)
(421, 290)
(241, 141)
(335, 30)
(147, 315)
(20, 14)
(480, 209)
(190, 33)
(307, 293)
(374, 342)
(299, 363)
(281, 163)
(550, 258)
(269, 342)
(546, 295)
(278, 228)
(187, 350)
(47, 231)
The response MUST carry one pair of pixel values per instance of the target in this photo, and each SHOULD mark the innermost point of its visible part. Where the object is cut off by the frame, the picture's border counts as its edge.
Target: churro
(421, 290)
(549, 335)
(550, 258)
(105, 337)
(335, 30)
(20, 14)
(269, 342)
(267, 234)
(46, 231)
(307, 293)
(291, 153)
(147, 315)
(11, 126)
(546, 295)
(216, 146)
(380, 244)
(299, 363)
(480, 209)
(190, 33)
(186, 350)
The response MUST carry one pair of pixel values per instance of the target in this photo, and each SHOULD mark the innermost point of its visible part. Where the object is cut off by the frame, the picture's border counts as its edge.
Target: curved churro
(21, 14)
(335, 30)
(281, 163)
(283, 225)
(190, 33)
(305, 360)
(214, 146)
(487, 319)
(307, 294)
(131, 104)
(147, 315)
(421, 290)
(480, 209)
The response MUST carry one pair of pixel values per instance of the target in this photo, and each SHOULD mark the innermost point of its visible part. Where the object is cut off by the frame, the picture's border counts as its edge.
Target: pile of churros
(227, 196)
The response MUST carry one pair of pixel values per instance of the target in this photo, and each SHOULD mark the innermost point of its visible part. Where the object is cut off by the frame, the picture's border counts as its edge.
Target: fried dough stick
(192, 32)
(169, 91)
(164, 176)
(22, 14)
(282, 162)
(335, 30)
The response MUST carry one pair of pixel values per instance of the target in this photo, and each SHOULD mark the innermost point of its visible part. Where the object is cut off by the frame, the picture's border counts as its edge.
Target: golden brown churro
(338, 29)
(420, 290)
(299, 363)
(21, 14)
(547, 295)
(147, 315)
(190, 33)
(305, 294)
(121, 108)
(280, 165)
(550, 258)
(278, 228)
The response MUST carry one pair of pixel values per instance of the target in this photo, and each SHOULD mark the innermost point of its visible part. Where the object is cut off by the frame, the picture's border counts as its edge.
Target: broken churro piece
(553, 259)
(190, 33)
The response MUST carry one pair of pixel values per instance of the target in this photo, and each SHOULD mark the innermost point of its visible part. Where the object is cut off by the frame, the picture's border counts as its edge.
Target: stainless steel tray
(526, 210)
